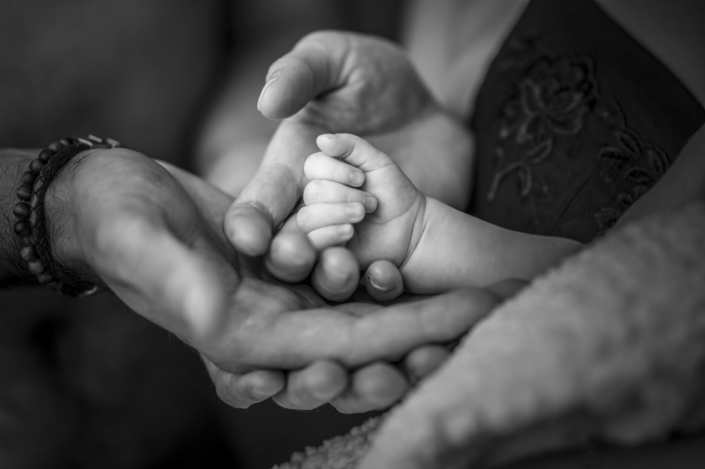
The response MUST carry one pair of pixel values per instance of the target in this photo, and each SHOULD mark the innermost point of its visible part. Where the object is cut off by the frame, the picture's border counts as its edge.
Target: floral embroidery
(554, 101)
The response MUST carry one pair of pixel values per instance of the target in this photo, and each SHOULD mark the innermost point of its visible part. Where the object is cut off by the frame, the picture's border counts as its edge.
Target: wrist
(418, 238)
(62, 218)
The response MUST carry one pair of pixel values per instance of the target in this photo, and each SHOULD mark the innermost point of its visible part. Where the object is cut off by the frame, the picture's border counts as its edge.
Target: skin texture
(333, 82)
(155, 240)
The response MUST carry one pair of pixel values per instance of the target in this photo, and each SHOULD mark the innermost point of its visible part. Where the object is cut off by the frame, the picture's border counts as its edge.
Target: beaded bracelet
(30, 225)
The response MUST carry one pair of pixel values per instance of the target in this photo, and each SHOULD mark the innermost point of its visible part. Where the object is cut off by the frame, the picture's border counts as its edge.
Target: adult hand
(370, 387)
(120, 218)
(340, 82)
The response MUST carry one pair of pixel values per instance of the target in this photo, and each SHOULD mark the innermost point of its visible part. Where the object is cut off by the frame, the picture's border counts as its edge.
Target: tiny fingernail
(355, 210)
(356, 178)
(370, 203)
(345, 230)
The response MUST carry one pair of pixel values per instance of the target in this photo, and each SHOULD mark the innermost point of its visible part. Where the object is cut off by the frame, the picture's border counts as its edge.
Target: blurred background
(88, 383)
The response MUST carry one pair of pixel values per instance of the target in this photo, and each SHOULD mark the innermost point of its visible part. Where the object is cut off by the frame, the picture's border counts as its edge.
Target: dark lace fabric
(574, 122)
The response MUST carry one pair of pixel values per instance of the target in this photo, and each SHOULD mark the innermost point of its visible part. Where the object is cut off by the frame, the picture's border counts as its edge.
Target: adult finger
(337, 274)
(243, 390)
(314, 66)
(291, 255)
(388, 334)
(375, 386)
(315, 385)
(383, 281)
(424, 360)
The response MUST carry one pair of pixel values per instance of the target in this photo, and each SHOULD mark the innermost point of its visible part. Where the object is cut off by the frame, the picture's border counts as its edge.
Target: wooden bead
(36, 266)
(23, 228)
(24, 192)
(28, 178)
(45, 155)
(28, 253)
(21, 210)
(45, 278)
(36, 165)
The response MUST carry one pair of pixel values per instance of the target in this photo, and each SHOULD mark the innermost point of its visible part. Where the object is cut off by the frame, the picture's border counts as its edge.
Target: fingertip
(337, 274)
(248, 230)
(383, 281)
(289, 87)
(263, 384)
(290, 257)
(326, 380)
(380, 384)
(423, 361)
(264, 105)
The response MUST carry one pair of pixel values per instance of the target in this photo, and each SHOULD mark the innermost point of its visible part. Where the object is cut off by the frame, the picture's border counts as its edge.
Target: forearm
(456, 250)
(12, 270)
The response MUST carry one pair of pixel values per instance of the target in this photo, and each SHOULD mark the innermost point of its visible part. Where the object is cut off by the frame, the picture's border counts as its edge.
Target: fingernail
(271, 80)
(345, 230)
(355, 211)
(377, 286)
(370, 203)
(356, 178)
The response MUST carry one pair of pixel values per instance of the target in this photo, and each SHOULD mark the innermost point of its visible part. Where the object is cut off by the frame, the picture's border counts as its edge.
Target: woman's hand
(333, 82)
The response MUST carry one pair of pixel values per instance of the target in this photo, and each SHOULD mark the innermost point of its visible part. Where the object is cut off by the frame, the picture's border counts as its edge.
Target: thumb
(314, 66)
(268, 199)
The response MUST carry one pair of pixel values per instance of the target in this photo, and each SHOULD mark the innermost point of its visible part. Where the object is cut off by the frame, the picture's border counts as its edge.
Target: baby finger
(320, 191)
(313, 217)
(329, 236)
(320, 166)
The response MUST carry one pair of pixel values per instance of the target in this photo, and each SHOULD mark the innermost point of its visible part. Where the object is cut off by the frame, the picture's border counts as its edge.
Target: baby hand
(351, 182)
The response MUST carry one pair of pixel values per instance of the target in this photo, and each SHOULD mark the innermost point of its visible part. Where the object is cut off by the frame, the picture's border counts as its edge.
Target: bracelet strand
(29, 211)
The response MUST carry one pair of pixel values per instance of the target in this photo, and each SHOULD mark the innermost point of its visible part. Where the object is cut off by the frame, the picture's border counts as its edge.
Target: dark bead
(23, 228)
(28, 178)
(21, 210)
(45, 155)
(55, 285)
(36, 165)
(45, 277)
(36, 266)
(24, 192)
(55, 146)
(28, 253)
(65, 142)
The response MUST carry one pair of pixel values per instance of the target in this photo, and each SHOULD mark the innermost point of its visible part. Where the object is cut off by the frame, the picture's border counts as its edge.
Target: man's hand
(154, 238)
(340, 82)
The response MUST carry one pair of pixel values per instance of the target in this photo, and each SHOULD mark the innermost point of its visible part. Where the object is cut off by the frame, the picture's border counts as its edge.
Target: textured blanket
(609, 346)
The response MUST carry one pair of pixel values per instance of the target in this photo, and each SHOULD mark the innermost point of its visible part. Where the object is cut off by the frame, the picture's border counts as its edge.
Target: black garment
(574, 122)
